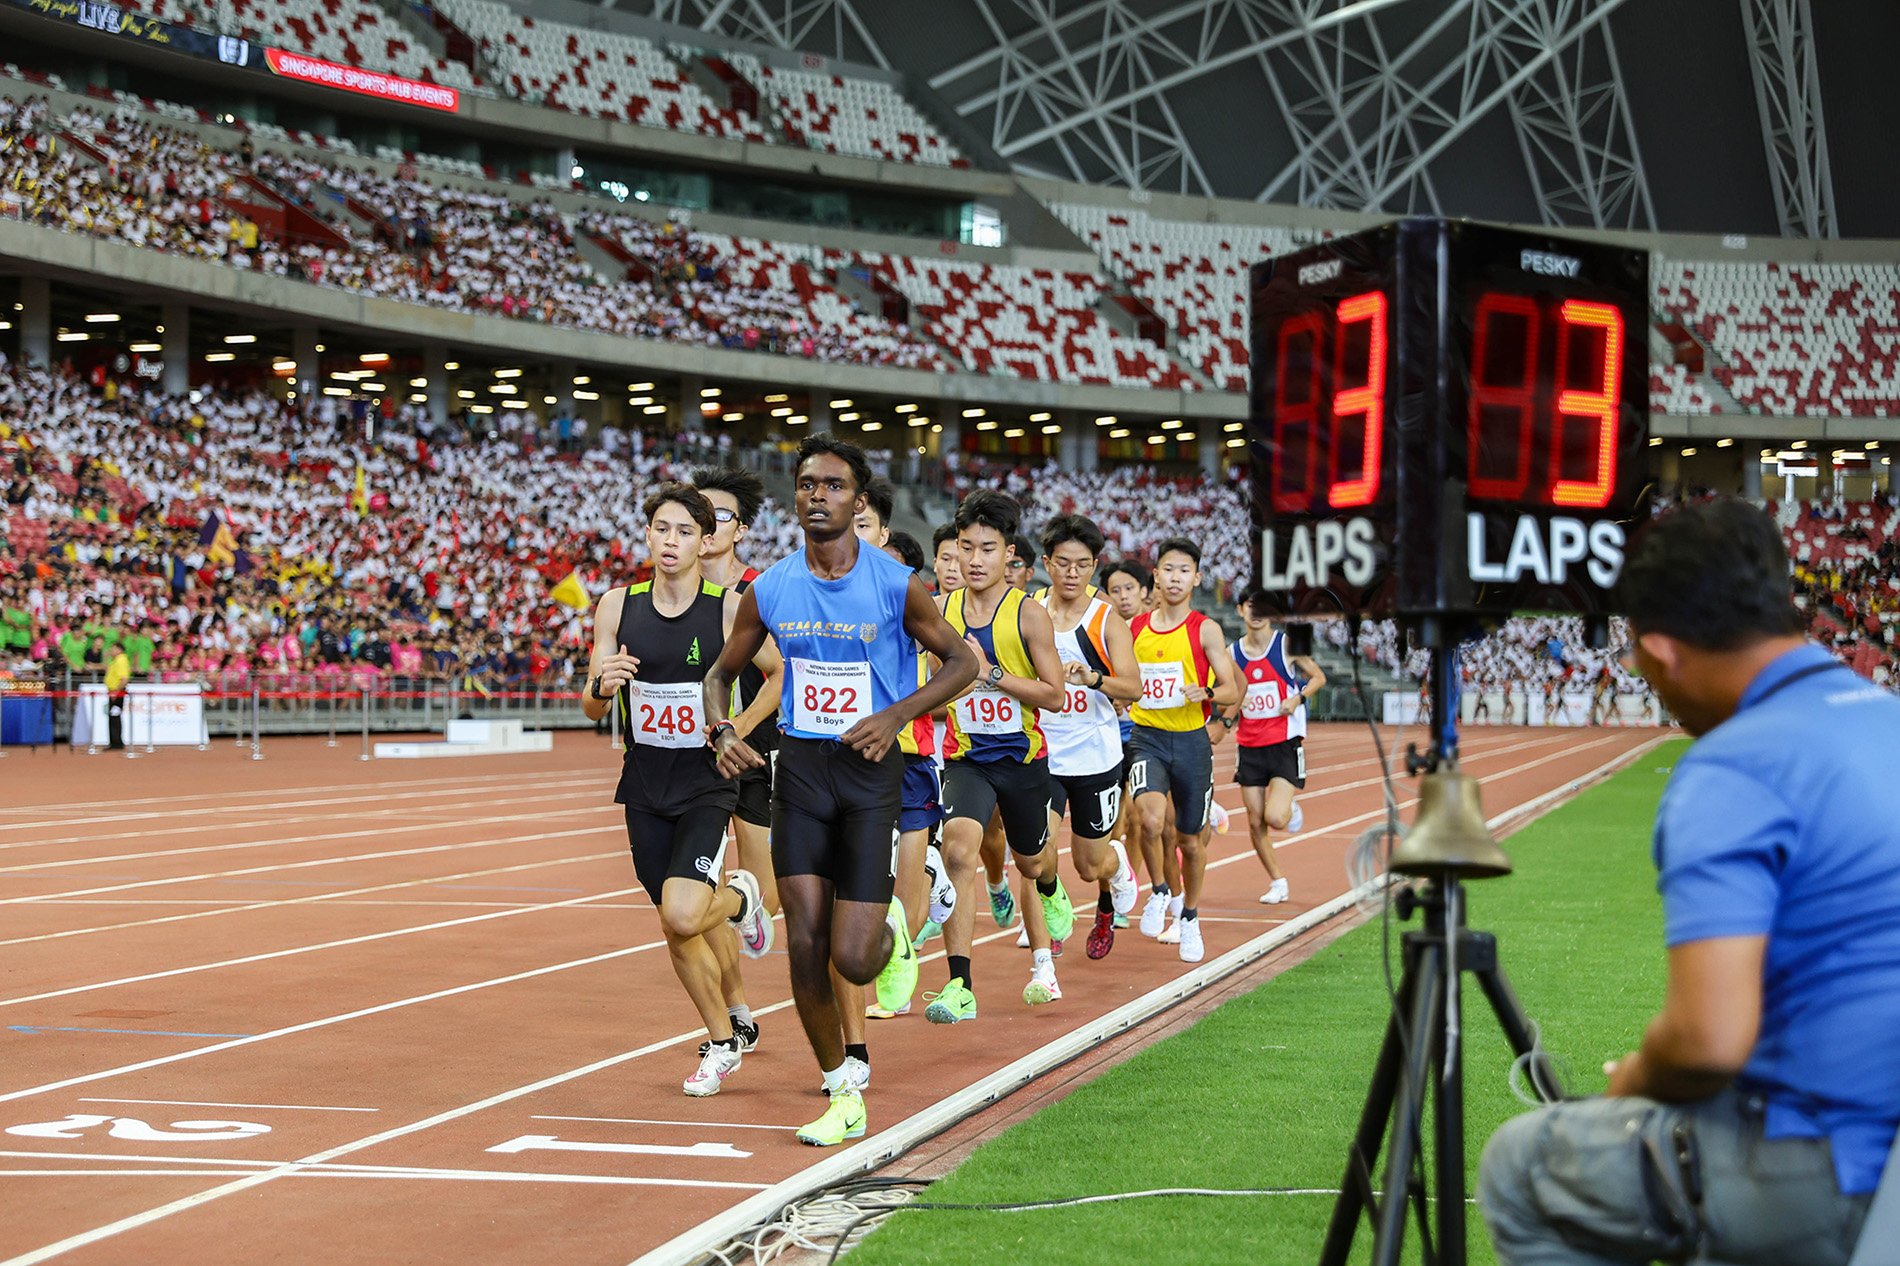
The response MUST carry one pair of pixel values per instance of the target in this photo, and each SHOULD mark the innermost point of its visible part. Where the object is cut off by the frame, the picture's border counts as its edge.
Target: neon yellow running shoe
(844, 1119)
(1058, 914)
(898, 980)
(954, 1004)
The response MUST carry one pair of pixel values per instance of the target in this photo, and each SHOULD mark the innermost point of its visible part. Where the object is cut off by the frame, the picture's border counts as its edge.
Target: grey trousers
(1609, 1182)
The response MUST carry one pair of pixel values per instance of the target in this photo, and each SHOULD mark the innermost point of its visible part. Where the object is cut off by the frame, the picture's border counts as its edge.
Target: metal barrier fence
(343, 706)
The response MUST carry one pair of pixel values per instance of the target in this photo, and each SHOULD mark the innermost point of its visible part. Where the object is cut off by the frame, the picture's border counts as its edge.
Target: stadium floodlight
(936, 428)
(1042, 417)
(1231, 427)
(989, 425)
(464, 395)
(481, 408)
(1183, 437)
(514, 404)
(415, 397)
(6, 325)
(1107, 419)
(1014, 433)
(1237, 443)
(974, 413)
(637, 387)
(501, 373)
(797, 419)
(711, 393)
(498, 389)
(283, 366)
(217, 356)
(652, 409)
(451, 364)
(777, 397)
(413, 382)
(1158, 439)
(1799, 444)
(587, 395)
(74, 336)
(783, 411)
(1655, 441)
(1688, 450)
(1725, 443)
(1051, 429)
(236, 339)
(344, 391)
(1119, 433)
(1872, 444)
(904, 408)
(873, 426)
(141, 347)
(637, 400)
(849, 417)
(102, 318)
(732, 417)
(842, 404)
(1171, 424)
(920, 420)
(550, 399)
(582, 380)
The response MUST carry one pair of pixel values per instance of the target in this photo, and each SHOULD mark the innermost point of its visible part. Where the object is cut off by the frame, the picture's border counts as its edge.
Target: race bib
(669, 714)
(988, 711)
(1263, 699)
(827, 698)
(1163, 686)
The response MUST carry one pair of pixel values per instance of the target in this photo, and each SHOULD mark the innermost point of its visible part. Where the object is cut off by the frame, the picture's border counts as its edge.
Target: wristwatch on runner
(593, 688)
(996, 674)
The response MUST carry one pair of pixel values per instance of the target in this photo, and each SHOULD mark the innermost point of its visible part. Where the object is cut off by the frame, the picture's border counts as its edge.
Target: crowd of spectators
(404, 238)
(440, 563)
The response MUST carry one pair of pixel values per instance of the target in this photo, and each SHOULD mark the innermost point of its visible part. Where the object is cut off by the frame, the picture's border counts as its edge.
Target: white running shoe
(1123, 888)
(1173, 935)
(1154, 914)
(1296, 822)
(943, 893)
(857, 1076)
(718, 1063)
(755, 925)
(1189, 933)
(1275, 893)
(1176, 904)
(1042, 988)
(1022, 938)
(1217, 814)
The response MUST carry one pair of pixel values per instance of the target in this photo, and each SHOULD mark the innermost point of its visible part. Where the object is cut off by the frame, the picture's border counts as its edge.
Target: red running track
(421, 1011)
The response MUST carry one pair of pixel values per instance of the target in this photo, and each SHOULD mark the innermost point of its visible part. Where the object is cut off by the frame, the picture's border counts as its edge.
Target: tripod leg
(1355, 1189)
(1449, 1125)
(1516, 1025)
(1402, 1150)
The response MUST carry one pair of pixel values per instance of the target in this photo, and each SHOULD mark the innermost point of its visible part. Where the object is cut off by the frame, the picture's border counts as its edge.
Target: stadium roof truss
(1788, 94)
(1371, 92)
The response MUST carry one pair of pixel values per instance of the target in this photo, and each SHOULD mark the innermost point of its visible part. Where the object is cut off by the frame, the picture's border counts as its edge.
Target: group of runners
(873, 746)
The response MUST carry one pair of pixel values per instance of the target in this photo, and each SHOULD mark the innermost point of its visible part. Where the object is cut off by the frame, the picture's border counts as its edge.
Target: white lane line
(365, 793)
(322, 1170)
(279, 902)
(379, 831)
(277, 820)
(199, 1103)
(365, 939)
(692, 1125)
(346, 859)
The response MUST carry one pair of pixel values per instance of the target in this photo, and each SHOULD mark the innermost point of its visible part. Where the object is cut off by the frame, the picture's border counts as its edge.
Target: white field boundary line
(346, 859)
(221, 799)
(365, 939)
(199, 1103)
(239, 907)
(541, 792)
(380, 830)
(321, 1170)
(696, 1245)
(506, 1096)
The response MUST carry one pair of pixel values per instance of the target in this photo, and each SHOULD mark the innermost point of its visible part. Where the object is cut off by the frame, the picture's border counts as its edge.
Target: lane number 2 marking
(77, 1124)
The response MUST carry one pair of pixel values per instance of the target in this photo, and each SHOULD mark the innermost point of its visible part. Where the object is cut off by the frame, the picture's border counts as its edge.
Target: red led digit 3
(1598, 406)
(1367, 399)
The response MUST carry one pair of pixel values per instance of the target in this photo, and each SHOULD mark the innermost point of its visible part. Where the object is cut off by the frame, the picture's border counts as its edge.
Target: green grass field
(1266, 1090)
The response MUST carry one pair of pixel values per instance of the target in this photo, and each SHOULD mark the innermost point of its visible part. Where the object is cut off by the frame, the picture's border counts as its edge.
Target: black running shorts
(834, 815)
(977, 789)
(1260, 766)
(1095, 800)
(755, 792)
(1177, 763)
(691, 845)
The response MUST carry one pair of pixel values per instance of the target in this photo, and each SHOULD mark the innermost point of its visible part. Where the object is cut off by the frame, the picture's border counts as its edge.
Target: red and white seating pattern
(864, 117)
(1810, 338)
(1193, 274)
(354, 32)
(601, 73)
(1673, 389)
(1024, 322)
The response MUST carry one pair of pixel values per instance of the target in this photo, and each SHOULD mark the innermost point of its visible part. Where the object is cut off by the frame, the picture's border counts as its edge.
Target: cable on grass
(1526, 1076)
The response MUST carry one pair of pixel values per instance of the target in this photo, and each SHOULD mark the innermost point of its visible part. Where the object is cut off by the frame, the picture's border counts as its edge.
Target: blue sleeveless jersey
(858, 619)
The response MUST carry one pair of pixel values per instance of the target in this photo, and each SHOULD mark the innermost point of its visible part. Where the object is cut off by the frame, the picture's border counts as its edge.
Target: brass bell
(1449, 837)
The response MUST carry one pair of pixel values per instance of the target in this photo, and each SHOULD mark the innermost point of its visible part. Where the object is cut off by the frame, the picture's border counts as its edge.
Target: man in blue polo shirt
(1753, 1124)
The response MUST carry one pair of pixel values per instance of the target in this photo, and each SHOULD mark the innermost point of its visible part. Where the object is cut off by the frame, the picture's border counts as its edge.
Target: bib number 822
(831, 700)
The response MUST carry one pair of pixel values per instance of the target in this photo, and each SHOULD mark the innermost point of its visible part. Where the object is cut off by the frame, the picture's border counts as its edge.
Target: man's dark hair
(742, 486)
(688, 498)
(1713, 575)
(1073, 527)
(1255, 602)
(844, 450)
(1178, 545)
(1142, 577)
(907, 549)
(1025, 550)
(984, 508)
(882, 497)
(944, 532)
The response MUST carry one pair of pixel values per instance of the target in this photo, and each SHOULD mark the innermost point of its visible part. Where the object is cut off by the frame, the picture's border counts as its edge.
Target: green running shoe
(898, 980)
(1003, 907)
(1058, 914)
(954, 1004)
(929, 931)
(844, 1119)
(1121, 921)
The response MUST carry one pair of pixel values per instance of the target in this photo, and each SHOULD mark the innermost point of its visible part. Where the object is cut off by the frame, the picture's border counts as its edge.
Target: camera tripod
(1422, 1056)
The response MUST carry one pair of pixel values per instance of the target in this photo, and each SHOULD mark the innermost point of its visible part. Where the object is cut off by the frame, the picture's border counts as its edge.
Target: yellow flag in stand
(359, 500)
(570, 593)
